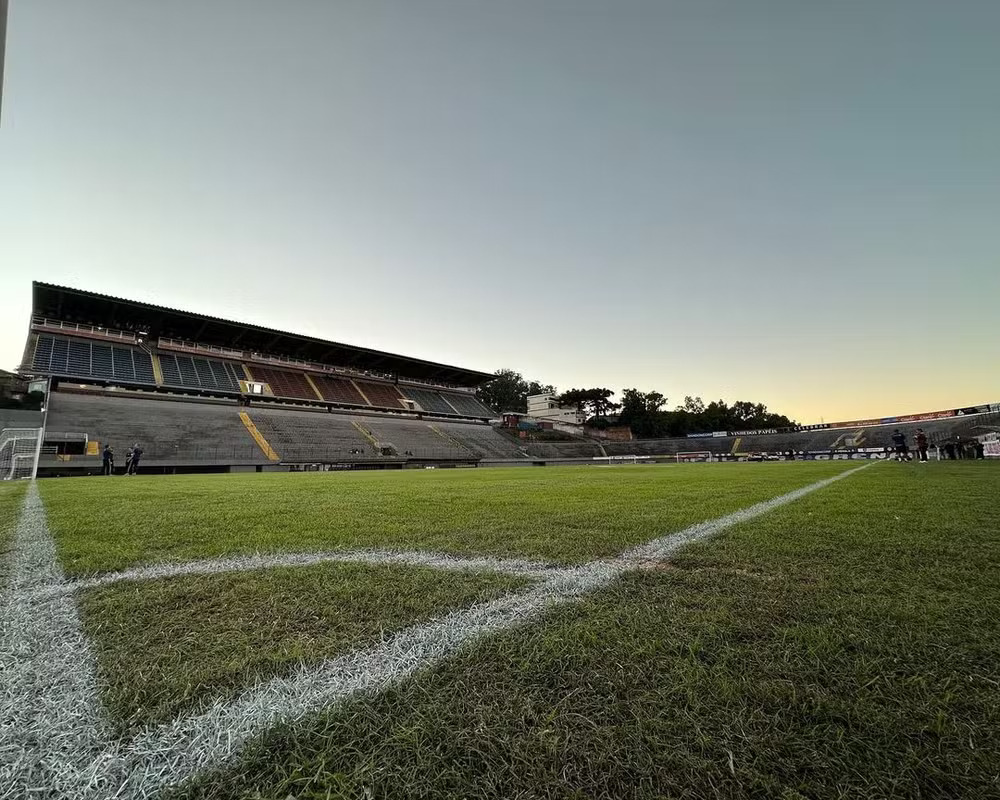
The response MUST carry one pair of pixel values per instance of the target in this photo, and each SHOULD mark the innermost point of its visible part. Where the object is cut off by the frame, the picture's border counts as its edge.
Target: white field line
(258, 561)
(171, 754)
(51, 720)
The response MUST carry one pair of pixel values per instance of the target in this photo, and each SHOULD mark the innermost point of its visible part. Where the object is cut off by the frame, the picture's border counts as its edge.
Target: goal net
(991, 445)
(630, 459)
(694, 456)
(19, 452)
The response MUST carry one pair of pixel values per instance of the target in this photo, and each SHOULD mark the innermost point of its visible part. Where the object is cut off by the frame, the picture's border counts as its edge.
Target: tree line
(644, 413)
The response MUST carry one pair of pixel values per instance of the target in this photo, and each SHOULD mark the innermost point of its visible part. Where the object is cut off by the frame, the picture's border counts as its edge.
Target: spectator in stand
(136, 455)
(899, 443)
(922, 445)
(107, 460)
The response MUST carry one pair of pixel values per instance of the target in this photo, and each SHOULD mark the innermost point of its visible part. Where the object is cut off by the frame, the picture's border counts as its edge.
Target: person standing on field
(107, 460)
(899, 443)
(922, 445)
(136, 455)
(128, 461)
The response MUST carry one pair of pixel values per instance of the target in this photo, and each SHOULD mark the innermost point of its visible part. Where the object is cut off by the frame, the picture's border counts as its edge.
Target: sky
(794, 203)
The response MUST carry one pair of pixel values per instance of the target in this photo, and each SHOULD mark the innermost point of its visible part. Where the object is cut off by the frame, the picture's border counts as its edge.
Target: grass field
(563, 515)
(10, 502)
(843, 645)
(168, 645)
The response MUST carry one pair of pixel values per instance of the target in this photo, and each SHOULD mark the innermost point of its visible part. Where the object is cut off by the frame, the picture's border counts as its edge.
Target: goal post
(629, 459)
(20, 449)
(695, 456)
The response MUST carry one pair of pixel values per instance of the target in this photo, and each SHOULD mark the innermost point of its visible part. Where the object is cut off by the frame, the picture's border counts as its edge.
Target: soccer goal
(630, 459)
(19, 449)
(696, 456)
(991, 445)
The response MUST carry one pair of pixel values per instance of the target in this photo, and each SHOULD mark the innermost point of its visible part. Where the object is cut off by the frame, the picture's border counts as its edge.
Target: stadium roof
(76, 305)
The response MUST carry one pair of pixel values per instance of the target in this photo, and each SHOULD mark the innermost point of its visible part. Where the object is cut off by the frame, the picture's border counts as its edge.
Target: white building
(545, 407)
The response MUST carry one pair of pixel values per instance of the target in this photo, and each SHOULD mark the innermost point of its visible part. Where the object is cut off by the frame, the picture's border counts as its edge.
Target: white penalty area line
(262, 561)
(169, 755)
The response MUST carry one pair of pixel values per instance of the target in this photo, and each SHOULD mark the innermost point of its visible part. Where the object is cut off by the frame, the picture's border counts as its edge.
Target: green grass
(564, 515)
(844, 646)
(167, 645)
(11, 499)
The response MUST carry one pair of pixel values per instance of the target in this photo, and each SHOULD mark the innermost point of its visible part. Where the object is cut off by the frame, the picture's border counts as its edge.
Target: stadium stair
(361, 391)
(315, 388)
(450, 439)
(367, 434)
(259, 437)
(382, 395)
(154, 359)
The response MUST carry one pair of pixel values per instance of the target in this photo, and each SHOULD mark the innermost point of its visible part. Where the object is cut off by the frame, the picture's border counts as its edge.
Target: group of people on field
(951, 450)
(132, 458)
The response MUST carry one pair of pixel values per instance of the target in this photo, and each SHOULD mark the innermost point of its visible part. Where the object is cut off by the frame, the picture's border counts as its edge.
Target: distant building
(545, 407)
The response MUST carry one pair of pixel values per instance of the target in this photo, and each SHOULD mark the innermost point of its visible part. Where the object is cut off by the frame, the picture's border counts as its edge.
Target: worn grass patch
(843, 646)
(166, 645)
(563, 515)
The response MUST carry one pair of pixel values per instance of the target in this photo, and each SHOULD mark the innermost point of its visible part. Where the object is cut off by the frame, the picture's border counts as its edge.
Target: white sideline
(51, 720)
(171, 754)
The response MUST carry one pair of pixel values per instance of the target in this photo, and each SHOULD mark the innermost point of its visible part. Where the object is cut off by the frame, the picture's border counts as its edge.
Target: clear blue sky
(783, 201)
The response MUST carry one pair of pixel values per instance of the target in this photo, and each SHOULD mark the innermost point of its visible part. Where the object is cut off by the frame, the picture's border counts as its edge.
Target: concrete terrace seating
(305, 436)
(284, 383)
(566, 449)
(171, 432)
(482, 440)
(86, 359)
(200, 373)
(19, 418)
(416, 438)
(429, 400)
(383, 395)
(467, 404)
(338, 390)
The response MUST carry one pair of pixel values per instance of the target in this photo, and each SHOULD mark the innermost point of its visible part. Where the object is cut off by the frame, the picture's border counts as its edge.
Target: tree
(574, 397)
(654, 402)
(597, 401)
(600, 402)
(642, 413)
(693, 405)
(509, 391)
(633, 407)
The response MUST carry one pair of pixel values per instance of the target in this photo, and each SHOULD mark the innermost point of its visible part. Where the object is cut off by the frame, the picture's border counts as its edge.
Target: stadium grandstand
(849, 439)
(205, 394)
(201, 394)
